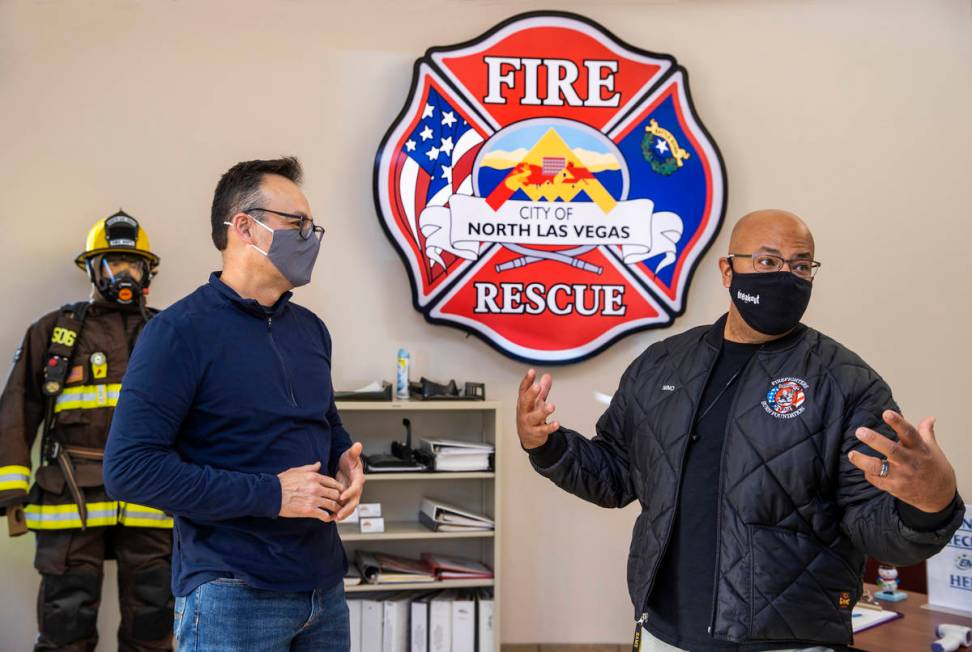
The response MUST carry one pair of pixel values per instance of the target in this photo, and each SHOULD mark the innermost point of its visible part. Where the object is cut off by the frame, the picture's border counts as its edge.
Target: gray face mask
(293, 256)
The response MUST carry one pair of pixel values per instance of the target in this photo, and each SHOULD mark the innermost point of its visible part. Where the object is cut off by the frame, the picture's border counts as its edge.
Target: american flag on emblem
(553, 164)
(437, 163)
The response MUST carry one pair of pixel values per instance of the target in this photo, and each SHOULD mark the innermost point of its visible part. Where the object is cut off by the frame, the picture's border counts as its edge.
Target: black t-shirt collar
(716, 336)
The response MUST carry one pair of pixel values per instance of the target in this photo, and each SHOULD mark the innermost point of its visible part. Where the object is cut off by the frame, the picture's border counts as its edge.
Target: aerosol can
(401, 375)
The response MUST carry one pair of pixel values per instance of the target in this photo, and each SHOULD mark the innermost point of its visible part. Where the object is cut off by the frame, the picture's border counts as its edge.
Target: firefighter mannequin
(64, 385)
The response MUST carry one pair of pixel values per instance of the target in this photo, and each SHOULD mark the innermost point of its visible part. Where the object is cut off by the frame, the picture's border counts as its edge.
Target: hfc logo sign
(549, 187)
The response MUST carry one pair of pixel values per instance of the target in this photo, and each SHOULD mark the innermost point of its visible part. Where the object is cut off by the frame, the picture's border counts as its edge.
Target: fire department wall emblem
(549, 187)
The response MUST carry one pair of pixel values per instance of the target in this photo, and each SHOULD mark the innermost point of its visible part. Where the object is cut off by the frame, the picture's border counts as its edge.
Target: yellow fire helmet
(119, 233)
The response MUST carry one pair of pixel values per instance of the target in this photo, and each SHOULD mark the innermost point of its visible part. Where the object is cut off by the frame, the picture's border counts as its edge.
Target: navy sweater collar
(251, 306)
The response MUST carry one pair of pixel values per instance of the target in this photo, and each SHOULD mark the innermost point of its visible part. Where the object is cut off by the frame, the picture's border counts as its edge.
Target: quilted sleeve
(871, 517)
(597, 469)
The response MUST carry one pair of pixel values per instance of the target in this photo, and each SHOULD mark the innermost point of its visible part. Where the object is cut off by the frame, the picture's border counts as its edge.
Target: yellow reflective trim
(88, 397)
(123, 506)
(101, 521)
(147, 522)
(70, 523)
(67, 517)
(14, 476)
(67, 508)
(60, 525)
(51, 509)
(133, 515)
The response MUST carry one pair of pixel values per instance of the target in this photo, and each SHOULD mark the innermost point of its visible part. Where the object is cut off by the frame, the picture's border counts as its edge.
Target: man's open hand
(305, 493)
(918, 472)
(532, 411)
(351, 475)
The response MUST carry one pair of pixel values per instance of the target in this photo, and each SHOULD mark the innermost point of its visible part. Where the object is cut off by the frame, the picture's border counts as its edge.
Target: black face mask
(770, 302)
(121, 288)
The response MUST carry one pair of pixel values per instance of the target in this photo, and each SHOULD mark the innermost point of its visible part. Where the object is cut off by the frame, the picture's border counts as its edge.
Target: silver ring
(885, 467)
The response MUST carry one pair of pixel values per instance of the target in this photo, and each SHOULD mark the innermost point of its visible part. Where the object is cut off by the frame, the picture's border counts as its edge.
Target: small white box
(353, 518)
(369, 510)
(372, 525)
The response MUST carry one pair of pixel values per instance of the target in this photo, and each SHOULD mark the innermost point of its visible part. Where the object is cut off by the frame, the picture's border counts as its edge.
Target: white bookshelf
(417, 406)
(378, 423)
(423, 586)
(404, 530)
(380, 477)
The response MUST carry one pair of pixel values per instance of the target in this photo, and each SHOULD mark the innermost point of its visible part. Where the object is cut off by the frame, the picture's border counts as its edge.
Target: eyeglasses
(802, 267)
(305, 225)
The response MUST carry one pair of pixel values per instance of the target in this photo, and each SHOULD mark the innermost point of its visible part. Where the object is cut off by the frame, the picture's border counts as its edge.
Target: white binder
(440, 622)
(395, 631)
(484, 622)
(372, 619)
(419, 623)
(354, 617)
(464, 624)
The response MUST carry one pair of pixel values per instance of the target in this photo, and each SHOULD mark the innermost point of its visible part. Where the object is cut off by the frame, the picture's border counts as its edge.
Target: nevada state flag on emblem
(549, 187)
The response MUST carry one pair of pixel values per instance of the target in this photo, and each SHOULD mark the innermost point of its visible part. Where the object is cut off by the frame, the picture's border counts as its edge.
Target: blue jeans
(226, 615)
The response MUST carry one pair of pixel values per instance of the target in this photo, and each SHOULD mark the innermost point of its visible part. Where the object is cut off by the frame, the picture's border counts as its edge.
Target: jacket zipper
(722, 459)
(283, 365)
(678, 489)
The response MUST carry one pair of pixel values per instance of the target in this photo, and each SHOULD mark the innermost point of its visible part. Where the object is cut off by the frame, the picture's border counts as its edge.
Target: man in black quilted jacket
(769, 461)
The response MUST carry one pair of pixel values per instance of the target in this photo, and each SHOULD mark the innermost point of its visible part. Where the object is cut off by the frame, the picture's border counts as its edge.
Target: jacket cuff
(12, 497)
(920, 521)
(550, 452)
(272, 496)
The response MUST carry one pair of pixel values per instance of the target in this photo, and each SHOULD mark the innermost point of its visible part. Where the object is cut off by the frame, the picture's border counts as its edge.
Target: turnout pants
(71, 564)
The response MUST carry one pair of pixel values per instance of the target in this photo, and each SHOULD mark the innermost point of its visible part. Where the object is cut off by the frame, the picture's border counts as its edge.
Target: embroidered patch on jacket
(76, 375)
(786, 398)
(844, 602)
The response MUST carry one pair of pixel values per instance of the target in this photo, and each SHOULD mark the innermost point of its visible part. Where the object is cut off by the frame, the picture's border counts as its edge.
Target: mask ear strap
(230, 224)
(262, 224)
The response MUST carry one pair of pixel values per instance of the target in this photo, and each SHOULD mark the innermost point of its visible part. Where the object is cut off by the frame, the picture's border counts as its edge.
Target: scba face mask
(292, 255)
(121, 288)
(770, 302)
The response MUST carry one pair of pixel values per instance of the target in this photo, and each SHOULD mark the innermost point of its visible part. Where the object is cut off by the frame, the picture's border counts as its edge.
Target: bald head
(772, 231)
(758, 241)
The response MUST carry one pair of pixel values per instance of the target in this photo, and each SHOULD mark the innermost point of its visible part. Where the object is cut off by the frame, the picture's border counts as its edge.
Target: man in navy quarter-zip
(768, 459)
(227, 420)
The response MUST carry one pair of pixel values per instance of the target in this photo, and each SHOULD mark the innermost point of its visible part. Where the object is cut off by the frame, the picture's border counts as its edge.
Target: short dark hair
(240, 187)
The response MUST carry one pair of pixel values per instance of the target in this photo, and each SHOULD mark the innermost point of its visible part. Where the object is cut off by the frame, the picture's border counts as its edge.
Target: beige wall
(854, 114)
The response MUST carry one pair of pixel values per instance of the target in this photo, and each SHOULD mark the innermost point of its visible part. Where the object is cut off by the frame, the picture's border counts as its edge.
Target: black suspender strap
(64, 342)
